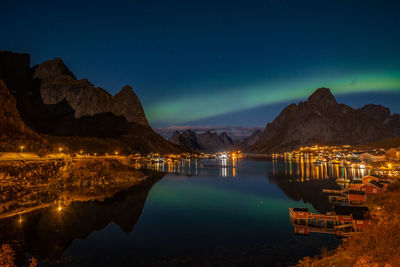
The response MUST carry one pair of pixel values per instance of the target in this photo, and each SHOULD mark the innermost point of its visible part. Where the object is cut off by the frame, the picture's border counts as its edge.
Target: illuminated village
(359, 174)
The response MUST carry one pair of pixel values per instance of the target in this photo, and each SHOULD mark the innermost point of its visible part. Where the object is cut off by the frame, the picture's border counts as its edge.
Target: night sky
(217, 62)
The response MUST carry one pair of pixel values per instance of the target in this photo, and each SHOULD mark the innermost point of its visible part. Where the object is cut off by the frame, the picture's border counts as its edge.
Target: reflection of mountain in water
(307, 190)
(48, 233)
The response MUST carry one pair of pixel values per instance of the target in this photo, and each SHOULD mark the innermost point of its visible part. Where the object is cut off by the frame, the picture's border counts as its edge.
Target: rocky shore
(28, 186)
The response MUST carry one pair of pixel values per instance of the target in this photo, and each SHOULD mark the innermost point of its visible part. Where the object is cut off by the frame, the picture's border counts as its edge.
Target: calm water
(236, 215)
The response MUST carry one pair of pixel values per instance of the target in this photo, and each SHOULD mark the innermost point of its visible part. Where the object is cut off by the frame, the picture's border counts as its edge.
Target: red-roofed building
(372, 187)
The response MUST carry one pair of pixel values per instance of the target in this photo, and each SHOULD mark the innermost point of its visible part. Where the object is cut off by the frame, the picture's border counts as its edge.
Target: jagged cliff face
(13, 131)
(208, 141)
(11, 124)
(58, 83)
(321, 120)
(127, 104)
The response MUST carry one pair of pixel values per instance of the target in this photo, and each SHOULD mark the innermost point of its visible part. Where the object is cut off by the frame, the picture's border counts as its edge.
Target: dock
(342, 219)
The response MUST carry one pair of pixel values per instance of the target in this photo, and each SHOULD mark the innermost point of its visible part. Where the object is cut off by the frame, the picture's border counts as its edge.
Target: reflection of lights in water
(20, 219)
(223, 162)
(234, 172)
(224, 172)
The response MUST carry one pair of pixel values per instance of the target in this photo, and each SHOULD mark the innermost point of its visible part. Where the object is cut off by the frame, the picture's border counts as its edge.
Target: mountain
(207, 141)
(13, 131)
(52, 102)
(58, 83)
(234, 132)
(321, 120)
(187, 139)
(250, 140)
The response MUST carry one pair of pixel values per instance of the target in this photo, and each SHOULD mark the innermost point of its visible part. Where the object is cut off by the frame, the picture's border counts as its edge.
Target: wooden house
(372, 187)
(356, 197)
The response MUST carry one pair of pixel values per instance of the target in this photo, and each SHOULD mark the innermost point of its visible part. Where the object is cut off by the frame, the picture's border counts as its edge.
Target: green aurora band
(223, 101)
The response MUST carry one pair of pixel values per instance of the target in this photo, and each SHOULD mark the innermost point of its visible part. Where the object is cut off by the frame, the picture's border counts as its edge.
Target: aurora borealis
(218, 62)
(247, 97)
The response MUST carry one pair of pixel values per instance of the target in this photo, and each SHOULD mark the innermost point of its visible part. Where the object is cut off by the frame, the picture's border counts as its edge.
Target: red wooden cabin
(356, 197)
(372, 188)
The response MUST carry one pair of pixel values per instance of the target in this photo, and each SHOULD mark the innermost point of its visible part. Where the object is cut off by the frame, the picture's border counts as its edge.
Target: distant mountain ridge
(234, 132)
(207, 141)
(321, 120)
(52, 102)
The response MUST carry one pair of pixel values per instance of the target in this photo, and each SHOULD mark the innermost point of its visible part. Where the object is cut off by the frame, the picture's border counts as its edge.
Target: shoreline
(39, 185)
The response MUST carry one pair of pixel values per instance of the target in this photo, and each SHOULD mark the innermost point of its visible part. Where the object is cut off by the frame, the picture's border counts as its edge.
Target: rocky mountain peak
(127, 90)
(51, 69)
(127, 104)
(58, 83)
(322, 97)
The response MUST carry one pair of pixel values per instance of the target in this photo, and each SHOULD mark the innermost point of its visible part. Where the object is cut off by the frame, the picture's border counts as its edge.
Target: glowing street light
(22, 148)
(116, 153)
(60, 149)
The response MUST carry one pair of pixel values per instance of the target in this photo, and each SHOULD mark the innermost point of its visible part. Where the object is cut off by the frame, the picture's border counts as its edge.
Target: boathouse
(372, 187)
(355, 184)
(360, 216)
(355, 217)
(356, 197)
